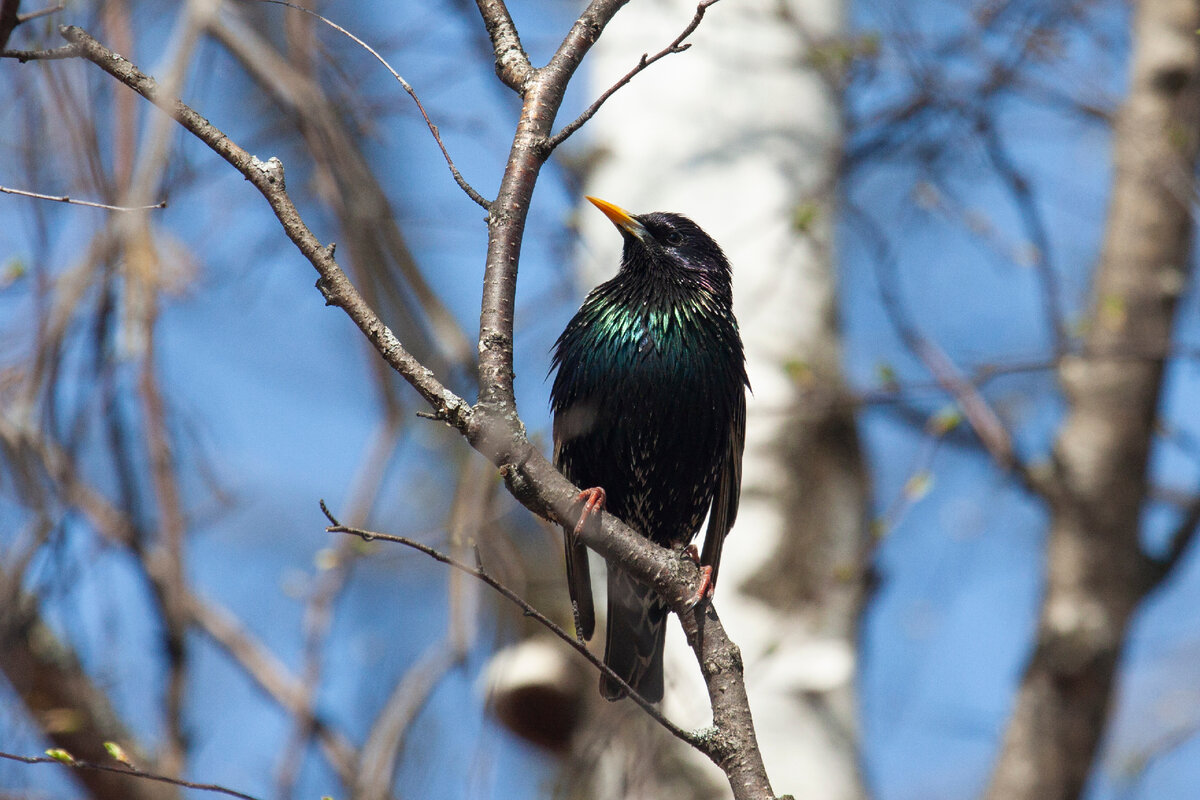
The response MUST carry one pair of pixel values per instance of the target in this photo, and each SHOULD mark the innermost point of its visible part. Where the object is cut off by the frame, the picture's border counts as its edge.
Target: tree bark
(1095, 571)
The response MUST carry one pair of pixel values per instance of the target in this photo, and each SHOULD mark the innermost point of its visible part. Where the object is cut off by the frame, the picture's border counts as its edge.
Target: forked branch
(492, 425)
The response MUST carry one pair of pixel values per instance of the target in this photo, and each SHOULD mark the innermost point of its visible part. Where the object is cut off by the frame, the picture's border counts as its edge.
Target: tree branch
(512, 64)
(67, 760)
(437, 136)
(62, 198)
(268, 178)
(676, 46)
(492, 426)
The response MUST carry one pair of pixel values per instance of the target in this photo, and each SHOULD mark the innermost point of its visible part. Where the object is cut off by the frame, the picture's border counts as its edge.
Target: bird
(649, 407)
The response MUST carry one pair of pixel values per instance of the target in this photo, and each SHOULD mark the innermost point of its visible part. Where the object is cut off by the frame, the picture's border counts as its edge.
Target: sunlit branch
(72, 201)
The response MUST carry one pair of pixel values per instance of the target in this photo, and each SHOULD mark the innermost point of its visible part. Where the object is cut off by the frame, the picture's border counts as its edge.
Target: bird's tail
(579, 582)
(633, 646)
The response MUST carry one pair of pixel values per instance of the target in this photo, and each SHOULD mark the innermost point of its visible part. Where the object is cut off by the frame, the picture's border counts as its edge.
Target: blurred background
(931, 252)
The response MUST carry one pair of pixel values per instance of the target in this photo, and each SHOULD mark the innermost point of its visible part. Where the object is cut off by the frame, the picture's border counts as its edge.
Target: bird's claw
(706, 585)
(593, 500)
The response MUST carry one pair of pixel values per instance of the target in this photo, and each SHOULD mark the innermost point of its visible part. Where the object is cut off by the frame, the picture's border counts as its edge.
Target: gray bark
(1095, 572)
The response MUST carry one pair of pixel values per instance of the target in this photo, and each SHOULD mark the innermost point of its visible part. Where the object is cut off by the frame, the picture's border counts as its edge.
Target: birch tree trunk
(1096, 574)
(742, 133)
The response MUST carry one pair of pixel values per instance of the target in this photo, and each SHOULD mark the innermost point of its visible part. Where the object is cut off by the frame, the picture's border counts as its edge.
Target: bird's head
(668, 243)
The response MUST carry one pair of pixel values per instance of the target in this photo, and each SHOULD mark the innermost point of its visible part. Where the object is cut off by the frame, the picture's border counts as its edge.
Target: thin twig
(62, 198)
(268, 178)
(676, 46)
(126, 770)
(43, 12)
(529, 610)
(1023, 197)
(54, 54)
(479, 199)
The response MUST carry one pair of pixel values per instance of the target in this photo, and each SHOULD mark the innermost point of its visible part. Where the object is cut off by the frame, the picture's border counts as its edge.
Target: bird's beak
(621, 218)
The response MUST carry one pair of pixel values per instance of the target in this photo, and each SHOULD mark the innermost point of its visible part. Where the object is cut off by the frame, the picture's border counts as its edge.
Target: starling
(649, 408)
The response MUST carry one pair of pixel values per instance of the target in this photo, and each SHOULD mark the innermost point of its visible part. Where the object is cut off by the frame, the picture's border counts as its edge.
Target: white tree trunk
(742, 134)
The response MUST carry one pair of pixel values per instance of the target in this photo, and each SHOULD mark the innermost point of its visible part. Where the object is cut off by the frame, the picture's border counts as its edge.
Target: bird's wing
(579, 576)
(729, 489)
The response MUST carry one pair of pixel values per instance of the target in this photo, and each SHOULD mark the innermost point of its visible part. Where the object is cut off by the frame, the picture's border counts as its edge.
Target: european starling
(650, 409)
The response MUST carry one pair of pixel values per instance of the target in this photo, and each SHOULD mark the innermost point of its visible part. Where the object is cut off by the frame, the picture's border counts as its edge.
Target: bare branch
(376, 770)
(676, 46)
(492, 426)
(66, 199)
(975, 408)
(44, 12)
(72, 763)
(164, 564)
(529, 611)
(512, 63)
(55, 54)
(506, 221)
(268, 178)
(1186, 532)
(1035, 225)
(437, 137)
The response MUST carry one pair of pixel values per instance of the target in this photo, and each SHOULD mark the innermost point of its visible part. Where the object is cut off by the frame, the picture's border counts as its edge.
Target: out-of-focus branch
(318, 613)
(978, 412)
(376, 769)
(48, 677)
(164, 563)
(377, 765)
(223, 628)
(275, 678)
(1031, 217)
(68, 760)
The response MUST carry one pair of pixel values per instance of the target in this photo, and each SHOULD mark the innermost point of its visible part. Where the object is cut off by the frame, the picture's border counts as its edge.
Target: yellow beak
(620, 217)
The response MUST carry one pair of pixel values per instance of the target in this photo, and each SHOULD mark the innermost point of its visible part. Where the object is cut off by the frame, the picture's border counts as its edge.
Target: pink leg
(706, 582)
(593, 500)
(706, 587)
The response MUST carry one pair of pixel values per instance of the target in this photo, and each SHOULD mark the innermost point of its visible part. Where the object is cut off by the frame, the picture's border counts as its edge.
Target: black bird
(649, 408)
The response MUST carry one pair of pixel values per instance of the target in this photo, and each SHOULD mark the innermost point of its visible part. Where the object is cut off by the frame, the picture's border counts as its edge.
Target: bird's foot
(593, 501)
(706, 587)
(706, 582)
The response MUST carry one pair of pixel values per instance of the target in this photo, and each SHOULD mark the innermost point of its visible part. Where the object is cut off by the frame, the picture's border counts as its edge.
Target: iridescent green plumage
(649, 403)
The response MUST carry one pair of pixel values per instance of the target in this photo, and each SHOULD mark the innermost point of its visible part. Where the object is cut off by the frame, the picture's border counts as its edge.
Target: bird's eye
(674, 238)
